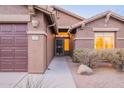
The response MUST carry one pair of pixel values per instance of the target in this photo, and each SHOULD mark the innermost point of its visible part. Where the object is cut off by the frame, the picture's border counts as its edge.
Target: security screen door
(62, 46)
(59, 47)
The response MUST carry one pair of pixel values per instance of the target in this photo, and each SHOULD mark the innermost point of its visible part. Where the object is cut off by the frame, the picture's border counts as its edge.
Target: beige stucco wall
(50, 47)
(13, 9)
(40, 19)
(85, 38)
(64, 19)
(86, 43)
(50, 41)
(37, 48)
(36, 54)
(120, 34)
(44, 46)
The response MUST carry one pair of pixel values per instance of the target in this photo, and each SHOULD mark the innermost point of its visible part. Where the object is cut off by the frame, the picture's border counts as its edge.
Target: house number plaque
(35, 37)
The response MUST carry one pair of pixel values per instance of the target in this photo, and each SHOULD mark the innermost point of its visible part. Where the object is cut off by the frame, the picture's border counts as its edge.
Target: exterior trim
(14, 18)
(49, 11)
(37, 33)
(87, 38)
(105, 29)
(63, 27)
(108, 14)
(67, 12)
(31, 10)
(119, 38)
(45, 8)
(76, 25)
(121, 18)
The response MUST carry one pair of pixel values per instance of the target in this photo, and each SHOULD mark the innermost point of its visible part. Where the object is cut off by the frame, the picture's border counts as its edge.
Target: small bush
(85, 56)
(91, 57)
(76, 55)
(119, 64)
(108, 55)
(82, 56)
(94, 58)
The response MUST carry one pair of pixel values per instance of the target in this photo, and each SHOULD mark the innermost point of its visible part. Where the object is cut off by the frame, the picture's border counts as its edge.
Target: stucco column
(36, 52)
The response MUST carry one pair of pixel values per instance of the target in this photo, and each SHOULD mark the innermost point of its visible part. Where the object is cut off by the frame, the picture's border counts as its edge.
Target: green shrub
(85, 56)
(81, 55)
(94, 58)
(91, 57)
(76, 55)
(119, 64)
(108, 55)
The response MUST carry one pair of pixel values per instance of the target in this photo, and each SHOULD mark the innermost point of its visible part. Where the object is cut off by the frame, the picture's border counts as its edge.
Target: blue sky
(87, 11)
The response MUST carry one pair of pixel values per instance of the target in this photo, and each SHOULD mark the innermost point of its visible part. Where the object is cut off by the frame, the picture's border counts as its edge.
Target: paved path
(9, 79)
(58, 75)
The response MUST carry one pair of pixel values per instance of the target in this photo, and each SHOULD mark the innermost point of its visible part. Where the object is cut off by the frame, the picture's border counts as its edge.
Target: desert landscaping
(102, 75)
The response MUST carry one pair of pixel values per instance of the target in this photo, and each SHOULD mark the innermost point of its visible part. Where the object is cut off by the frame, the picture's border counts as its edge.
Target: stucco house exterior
(104, 30)
(31, 35)
(27, 36)
(23, 35)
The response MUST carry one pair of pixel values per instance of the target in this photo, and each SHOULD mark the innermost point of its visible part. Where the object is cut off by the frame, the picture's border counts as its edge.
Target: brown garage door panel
(7, 64)
(6, 29)
(21, 64)
(21, 41)
(20, 67)
(13, 48)
(7, 41)
(6, 52)
(20, 70)
(20, 29)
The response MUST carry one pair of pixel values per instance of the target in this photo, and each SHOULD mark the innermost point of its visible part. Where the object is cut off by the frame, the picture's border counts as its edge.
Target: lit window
(62, 34)
(99, 42)
(66, 44)
(104, 40)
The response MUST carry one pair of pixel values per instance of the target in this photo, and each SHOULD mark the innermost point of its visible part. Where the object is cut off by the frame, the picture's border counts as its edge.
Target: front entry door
(59, 47)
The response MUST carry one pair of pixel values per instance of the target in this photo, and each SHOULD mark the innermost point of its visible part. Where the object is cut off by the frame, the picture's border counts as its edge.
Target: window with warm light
(66, 44)
(104, 40)
(62, 34)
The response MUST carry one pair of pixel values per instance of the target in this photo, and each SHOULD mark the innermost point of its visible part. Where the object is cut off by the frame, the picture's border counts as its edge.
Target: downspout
(54, 24)
(49, 26)
(52, 15)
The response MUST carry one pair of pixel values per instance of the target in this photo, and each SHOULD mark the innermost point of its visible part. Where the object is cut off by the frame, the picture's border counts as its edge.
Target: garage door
(13, 48)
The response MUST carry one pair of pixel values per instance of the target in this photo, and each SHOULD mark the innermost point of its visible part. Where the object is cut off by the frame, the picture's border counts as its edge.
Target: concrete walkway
(58, 75)
(9, 79)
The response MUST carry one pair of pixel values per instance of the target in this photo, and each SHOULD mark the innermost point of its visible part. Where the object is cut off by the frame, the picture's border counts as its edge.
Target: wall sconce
(35, 23)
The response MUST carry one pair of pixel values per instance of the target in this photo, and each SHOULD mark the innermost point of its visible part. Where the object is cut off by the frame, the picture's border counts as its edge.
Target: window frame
(104, 34)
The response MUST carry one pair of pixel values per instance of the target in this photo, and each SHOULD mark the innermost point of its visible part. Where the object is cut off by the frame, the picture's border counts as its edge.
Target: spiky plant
(40, 82)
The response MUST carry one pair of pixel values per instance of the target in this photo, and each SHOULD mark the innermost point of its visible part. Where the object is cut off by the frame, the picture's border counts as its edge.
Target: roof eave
(121, 18)
(50, 13)
(68, 12)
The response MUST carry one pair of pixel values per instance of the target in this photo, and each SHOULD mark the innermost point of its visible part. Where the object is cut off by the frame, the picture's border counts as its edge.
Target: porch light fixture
(35, 23)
